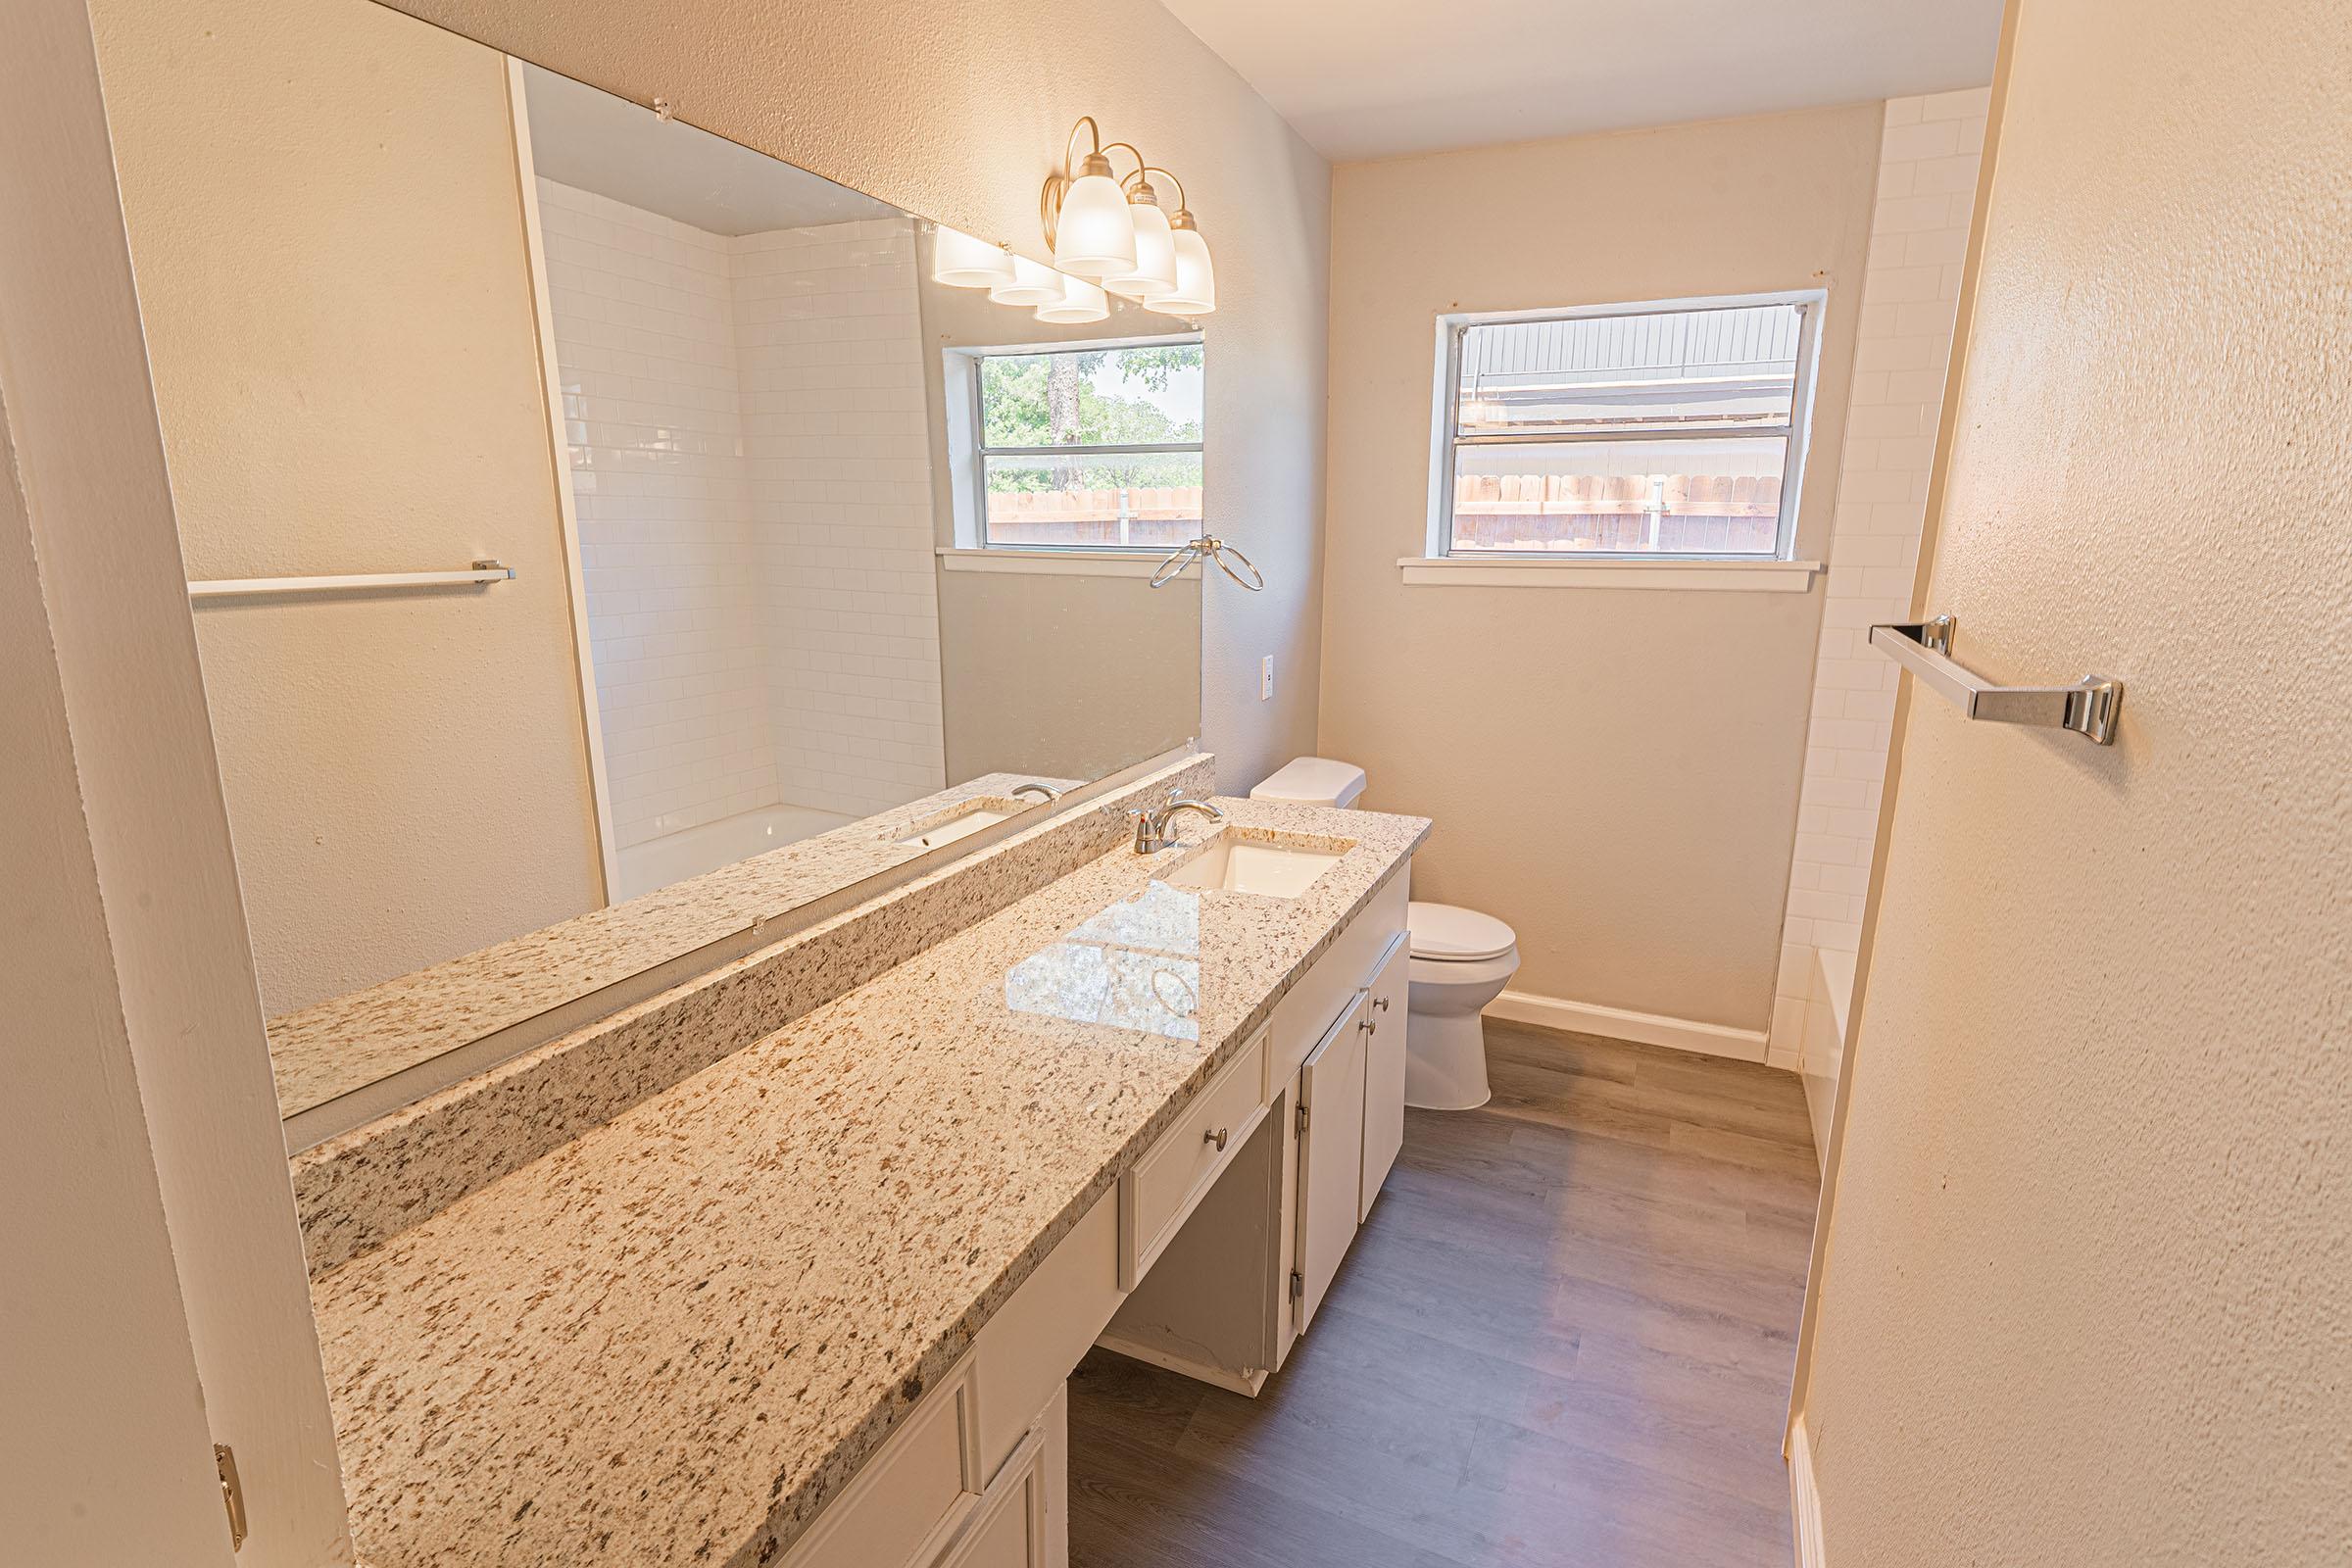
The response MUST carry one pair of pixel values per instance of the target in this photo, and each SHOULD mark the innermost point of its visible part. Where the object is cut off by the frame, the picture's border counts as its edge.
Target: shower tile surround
(708, 1312)
(359, 1189)
(1930, 149)
(750, 473)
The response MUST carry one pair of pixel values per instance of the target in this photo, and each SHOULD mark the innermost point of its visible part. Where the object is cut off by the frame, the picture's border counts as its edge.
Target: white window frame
(968, 452)
(1452, 329)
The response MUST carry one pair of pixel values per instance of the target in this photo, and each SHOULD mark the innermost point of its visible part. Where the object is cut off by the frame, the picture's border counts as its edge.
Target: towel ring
(1208, 548)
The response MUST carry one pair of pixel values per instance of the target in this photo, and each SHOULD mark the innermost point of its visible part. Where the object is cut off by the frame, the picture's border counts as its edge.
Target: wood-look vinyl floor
(1564, 1336)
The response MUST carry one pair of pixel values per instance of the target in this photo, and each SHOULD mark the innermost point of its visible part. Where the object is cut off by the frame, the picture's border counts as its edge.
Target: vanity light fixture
(1080, 301)
(959, 261)
(1112, 232)
(1085, 212)
(1196, 290)
(1033, 283)
(1154, 268)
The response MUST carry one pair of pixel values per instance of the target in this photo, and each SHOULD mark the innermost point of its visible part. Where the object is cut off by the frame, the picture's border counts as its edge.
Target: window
(1626, 431)
(1093, 448)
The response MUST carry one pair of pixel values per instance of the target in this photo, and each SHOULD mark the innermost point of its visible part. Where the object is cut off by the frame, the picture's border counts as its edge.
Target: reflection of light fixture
(962, 261)
(1080, 301)
(1154, 268)
(1033, 283)
(1085, 212)
(1196, 290)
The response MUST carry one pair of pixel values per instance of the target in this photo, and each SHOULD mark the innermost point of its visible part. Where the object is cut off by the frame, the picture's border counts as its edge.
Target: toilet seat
(1442, 933)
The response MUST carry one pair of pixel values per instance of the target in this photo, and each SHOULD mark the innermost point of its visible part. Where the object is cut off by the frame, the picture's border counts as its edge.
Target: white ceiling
(591, 140)
(1373, 79)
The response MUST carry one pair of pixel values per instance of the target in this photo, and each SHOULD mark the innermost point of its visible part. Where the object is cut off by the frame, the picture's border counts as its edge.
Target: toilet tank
(1312, 781)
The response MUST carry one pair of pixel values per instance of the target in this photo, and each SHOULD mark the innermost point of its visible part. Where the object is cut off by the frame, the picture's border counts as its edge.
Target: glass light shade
(1154, 268)
(1033, 283)
(1081, 301)
(1093, 236)
(962, 261)
(1196, 290)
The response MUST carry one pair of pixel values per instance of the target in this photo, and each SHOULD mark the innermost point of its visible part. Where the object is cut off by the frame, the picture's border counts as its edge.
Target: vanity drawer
(1160, 1189)
(1329, 986)
(911, 1498)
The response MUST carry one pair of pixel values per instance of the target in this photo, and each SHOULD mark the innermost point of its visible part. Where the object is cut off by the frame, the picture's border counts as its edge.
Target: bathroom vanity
(816, 1302)
(680, 654)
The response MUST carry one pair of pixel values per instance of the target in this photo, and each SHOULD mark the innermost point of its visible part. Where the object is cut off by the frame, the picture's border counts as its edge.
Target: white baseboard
(1616, 1023)
(1804, 1498)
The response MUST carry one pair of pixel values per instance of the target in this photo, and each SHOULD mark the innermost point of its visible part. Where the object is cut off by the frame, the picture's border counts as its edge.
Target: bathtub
(1825, 1040)
(690, 851)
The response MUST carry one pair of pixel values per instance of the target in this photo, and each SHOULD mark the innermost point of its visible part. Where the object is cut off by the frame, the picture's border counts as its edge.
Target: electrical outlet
(1265, 678)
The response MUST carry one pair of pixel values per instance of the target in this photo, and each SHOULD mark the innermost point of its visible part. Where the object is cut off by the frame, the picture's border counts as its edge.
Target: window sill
(1063, 562)
(1529, 571)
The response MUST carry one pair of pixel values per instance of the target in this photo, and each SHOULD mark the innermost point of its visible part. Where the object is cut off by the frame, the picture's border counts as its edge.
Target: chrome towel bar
(239, 587)
(2088, 706)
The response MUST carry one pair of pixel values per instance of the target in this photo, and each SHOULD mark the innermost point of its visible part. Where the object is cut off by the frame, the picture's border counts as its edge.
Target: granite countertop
(674, 1339)
(345, 1041)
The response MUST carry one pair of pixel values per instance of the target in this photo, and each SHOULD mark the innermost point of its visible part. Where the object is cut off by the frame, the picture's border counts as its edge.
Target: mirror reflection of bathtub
(673, 856)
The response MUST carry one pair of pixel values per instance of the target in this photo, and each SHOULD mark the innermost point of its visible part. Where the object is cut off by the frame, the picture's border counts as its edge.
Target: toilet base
(1446, 1062)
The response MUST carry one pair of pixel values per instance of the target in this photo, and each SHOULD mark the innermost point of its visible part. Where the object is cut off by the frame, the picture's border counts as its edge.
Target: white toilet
(1461, 960)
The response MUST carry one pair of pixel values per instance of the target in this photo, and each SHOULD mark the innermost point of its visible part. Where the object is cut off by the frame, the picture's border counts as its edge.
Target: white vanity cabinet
(1330, 1126)
(1209, 1258)
(1020, 1520)
(977, 1474)
(1384, 1070)
(1224, 1291)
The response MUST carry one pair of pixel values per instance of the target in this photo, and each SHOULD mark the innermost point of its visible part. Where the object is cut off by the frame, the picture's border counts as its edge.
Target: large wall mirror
(820, 567)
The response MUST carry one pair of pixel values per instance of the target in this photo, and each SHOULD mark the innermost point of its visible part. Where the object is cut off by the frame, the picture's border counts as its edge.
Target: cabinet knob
(1218, 1138)
(1381, 1003)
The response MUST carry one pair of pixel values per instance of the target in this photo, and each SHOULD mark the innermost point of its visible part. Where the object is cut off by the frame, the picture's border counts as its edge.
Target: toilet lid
(1442, 931)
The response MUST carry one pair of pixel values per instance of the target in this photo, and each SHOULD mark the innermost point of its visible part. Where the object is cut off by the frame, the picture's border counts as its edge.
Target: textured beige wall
(324, 224)
(955, 110)
(2088, 1297)
(1030, 690)
(1612, 771)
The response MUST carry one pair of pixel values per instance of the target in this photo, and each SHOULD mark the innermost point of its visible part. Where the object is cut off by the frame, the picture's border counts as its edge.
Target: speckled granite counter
(672, 1340)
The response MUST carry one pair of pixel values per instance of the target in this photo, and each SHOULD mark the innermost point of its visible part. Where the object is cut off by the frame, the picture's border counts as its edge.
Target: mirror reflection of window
(1091, 448)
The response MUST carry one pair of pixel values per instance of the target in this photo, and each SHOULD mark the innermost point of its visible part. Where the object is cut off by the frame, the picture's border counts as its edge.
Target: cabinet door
(1011, 1528)
(1331, 1156)
(1384, 1071)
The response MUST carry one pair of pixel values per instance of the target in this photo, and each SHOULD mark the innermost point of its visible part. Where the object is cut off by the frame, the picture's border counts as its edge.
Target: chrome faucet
(1042, 791)
(1151, 827)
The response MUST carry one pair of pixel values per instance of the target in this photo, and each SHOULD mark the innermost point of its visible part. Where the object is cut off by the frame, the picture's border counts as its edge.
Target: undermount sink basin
(1230, 863)
(963, 824)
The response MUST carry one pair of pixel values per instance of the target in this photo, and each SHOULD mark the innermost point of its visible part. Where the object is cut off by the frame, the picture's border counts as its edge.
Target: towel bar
(2088, 706)
(227, 587)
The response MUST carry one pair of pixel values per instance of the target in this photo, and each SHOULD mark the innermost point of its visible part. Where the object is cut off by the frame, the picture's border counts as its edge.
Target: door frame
(1930, 529)
(164, 986)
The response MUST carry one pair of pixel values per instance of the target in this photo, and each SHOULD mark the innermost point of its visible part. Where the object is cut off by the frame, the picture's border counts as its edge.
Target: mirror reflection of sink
(964, 822)
(1231, 863)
